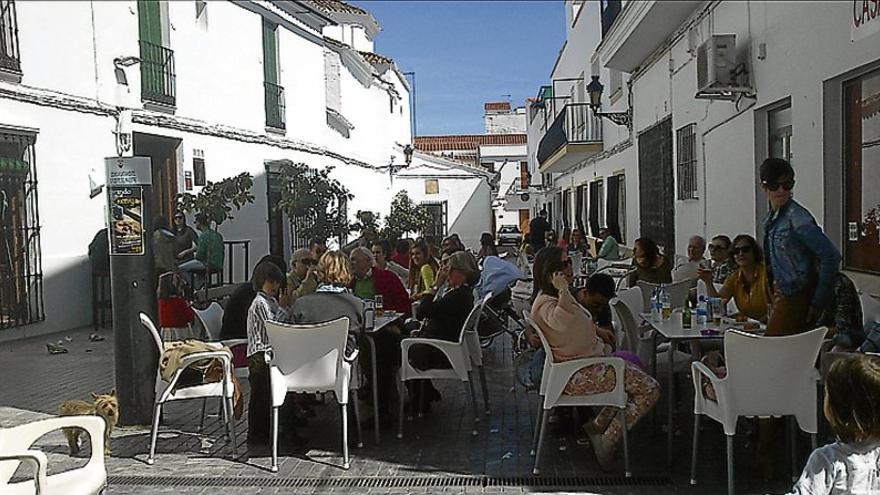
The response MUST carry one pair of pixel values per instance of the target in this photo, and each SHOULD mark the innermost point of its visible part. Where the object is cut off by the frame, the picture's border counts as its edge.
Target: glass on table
(379, 306)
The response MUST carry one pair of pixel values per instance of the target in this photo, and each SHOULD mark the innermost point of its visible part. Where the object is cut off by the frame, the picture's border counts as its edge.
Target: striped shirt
(264, 307)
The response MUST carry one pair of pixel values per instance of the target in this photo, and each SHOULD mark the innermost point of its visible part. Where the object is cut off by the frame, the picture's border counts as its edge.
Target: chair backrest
(632, 297)
(211, 319)
(771, 375)
(685, 271)
(473, 318)
(147, 322)
(311, 354)
(870, 308)
(678, 292)
(629, 326)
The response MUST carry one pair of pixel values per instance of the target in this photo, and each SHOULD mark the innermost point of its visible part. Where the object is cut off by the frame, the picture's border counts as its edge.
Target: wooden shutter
(270, 53)
(149, 21)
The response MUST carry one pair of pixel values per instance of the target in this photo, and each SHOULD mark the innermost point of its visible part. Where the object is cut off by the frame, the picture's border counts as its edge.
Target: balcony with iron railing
(275, 108)
(158, 79)
(10, 58)
(574, 135)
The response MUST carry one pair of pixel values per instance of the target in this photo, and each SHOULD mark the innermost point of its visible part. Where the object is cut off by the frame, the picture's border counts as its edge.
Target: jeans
(536, 369)
(188, 270)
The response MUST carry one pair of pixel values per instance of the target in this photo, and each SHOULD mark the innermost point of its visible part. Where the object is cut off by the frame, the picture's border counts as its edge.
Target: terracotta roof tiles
(332, 6)
(465, 141)
(497, 106)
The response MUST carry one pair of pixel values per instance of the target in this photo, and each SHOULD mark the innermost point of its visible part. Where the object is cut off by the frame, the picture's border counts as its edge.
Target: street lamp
(119, 66)
(595, 91)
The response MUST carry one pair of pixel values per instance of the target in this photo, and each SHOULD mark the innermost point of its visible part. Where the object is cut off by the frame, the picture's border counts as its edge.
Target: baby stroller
(497, 277)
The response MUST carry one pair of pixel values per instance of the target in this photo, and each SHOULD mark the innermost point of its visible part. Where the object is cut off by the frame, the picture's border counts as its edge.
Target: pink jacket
(568, 328)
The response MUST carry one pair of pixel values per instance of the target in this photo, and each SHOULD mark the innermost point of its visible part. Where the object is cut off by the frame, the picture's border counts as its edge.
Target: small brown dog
(106, 406)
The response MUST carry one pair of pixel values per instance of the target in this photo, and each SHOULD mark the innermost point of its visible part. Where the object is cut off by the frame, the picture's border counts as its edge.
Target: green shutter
(270, 54)
(149, 21)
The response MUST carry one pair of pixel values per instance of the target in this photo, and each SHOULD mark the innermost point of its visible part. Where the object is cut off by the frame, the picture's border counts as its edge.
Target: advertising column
(129, 192)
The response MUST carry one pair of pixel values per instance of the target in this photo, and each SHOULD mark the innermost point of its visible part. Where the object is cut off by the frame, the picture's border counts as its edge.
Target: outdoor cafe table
(672, 330)
(380, 324)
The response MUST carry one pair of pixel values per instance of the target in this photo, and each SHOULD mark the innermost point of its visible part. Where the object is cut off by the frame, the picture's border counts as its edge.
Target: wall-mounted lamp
(595, 89)
(119, 66)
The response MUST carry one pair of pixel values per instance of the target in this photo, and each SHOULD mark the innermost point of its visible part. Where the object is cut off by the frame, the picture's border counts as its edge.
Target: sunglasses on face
(742, 250)
(716, 247)
(308, 262)
(788, 185)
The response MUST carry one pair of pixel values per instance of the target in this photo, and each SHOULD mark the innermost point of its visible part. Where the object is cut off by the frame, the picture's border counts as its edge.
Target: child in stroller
(497, 278)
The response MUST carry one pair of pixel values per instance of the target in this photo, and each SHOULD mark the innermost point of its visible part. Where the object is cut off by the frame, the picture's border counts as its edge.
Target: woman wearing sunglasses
(748, 284)
(801, 260)
(571, 332)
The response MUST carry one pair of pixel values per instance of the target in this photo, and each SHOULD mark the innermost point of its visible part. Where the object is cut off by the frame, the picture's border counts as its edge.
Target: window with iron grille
(21, 276)
(438, 211)
(9, 55)
(686, 139)
(199, 178)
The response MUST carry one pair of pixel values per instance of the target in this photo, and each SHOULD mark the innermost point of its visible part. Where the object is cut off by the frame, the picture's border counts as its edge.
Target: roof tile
(465, 141)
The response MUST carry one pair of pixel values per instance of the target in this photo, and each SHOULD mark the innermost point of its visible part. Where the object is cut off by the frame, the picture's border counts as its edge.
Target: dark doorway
(163, 154)
(657, 187)
(276, 217)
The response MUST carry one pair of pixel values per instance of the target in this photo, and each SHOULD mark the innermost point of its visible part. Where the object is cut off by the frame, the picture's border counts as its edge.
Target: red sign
(866, 19)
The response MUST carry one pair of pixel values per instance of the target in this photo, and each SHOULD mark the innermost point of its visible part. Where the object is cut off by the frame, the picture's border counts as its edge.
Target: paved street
(437, 453)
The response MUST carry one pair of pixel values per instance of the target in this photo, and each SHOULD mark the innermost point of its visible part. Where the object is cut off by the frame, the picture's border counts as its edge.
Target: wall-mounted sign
(188, 180)
(865, 19)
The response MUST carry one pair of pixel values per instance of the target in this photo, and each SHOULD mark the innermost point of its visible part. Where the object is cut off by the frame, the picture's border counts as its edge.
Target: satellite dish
(524, 196)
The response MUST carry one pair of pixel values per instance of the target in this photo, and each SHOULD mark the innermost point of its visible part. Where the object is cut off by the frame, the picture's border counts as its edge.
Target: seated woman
(577, 243)
(332, 299)
(422, 269)
(571, 334)
(650, 265)
(444, 316)
(747, 286)
(487, 246)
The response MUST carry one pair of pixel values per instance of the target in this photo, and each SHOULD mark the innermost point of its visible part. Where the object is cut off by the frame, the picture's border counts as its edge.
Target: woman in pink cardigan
(571, 334)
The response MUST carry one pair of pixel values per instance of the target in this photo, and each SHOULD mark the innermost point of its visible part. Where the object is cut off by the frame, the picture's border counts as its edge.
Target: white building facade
(207, 90)
(800, 82)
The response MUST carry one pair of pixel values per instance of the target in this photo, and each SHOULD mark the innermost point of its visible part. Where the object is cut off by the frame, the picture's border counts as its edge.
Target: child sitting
(852, 407)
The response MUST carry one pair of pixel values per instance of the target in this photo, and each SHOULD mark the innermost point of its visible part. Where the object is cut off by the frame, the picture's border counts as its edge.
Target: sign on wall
(865, 19)
(126, 179)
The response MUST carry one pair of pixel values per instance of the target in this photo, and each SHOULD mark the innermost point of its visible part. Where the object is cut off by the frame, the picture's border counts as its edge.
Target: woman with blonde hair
(332, 299)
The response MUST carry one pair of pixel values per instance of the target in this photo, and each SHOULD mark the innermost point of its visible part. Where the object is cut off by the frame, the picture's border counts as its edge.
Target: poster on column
(126, 220)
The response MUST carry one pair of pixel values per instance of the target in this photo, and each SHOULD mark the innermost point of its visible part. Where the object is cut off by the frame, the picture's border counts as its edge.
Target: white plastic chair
(475, 351)
(678, 292)
(458, 355)
(766, 376)
(309, 358)
(16, 447)
(168, 391)
(211, 319)
(553, 381)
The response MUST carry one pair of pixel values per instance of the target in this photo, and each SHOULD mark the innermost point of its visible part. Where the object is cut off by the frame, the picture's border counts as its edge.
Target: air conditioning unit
(716, 61)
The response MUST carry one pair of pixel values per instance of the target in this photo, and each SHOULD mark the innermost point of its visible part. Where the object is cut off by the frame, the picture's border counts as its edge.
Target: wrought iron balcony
(574, 136)
(10, 59)
(274, 105)
(158, 78)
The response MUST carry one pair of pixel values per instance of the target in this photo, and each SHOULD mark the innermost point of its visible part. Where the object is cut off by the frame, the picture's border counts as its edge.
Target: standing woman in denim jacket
(801, 260)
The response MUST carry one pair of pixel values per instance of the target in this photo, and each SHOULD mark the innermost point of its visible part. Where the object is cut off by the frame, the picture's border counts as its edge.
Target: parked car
(509, 234)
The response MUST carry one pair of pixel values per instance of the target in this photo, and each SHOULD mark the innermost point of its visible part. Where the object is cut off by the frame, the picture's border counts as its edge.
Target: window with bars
(438, 211)
(686, 140)
(9, 55)
(21, 277)
(199, 177)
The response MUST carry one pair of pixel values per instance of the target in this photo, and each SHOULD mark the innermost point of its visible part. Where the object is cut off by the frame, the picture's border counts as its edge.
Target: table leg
(671, 424)
(375, 387)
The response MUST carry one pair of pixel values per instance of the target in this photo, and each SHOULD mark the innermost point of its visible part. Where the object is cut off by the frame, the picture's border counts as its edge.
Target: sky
(466, 53)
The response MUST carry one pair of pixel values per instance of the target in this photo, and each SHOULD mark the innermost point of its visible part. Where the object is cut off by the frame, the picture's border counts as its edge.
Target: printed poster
(126, 220)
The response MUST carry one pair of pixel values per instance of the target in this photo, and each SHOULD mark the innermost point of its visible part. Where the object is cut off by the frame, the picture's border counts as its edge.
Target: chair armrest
(351, 357)
(443, 345)
(191, 359)
(454, 351)
(699, 370)
(561, 373)
(35, 458)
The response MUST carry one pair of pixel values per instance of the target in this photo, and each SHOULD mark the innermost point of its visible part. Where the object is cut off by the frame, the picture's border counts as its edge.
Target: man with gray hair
(368, 282)
(695, 250)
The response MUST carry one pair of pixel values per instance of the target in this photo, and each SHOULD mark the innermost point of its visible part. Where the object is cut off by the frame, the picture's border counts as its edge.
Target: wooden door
(164, 186)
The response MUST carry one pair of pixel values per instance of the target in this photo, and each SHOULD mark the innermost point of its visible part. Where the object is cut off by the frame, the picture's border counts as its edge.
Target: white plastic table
(381, 322)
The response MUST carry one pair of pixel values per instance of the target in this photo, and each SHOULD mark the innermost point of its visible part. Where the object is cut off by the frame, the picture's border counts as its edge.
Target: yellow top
(752, 300)
(426, 278)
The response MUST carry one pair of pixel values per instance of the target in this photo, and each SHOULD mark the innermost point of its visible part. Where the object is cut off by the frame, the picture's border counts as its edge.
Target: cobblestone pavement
(437, 453)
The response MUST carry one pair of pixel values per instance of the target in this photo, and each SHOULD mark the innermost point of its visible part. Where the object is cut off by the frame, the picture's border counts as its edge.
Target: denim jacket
(798, 253)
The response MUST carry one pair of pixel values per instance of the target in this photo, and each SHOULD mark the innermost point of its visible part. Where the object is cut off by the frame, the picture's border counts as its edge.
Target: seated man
(209, 251)
(609, 250)
(301, 279)
(696, 249)
(368, 281)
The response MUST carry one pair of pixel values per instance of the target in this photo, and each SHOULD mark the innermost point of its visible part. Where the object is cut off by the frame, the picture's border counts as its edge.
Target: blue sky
(466, 53)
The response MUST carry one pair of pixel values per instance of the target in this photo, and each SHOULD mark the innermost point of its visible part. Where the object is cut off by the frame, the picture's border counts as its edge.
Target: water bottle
(686, 316)
(655, 305)
(702, 314)
(667, 303)
(369, 315)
